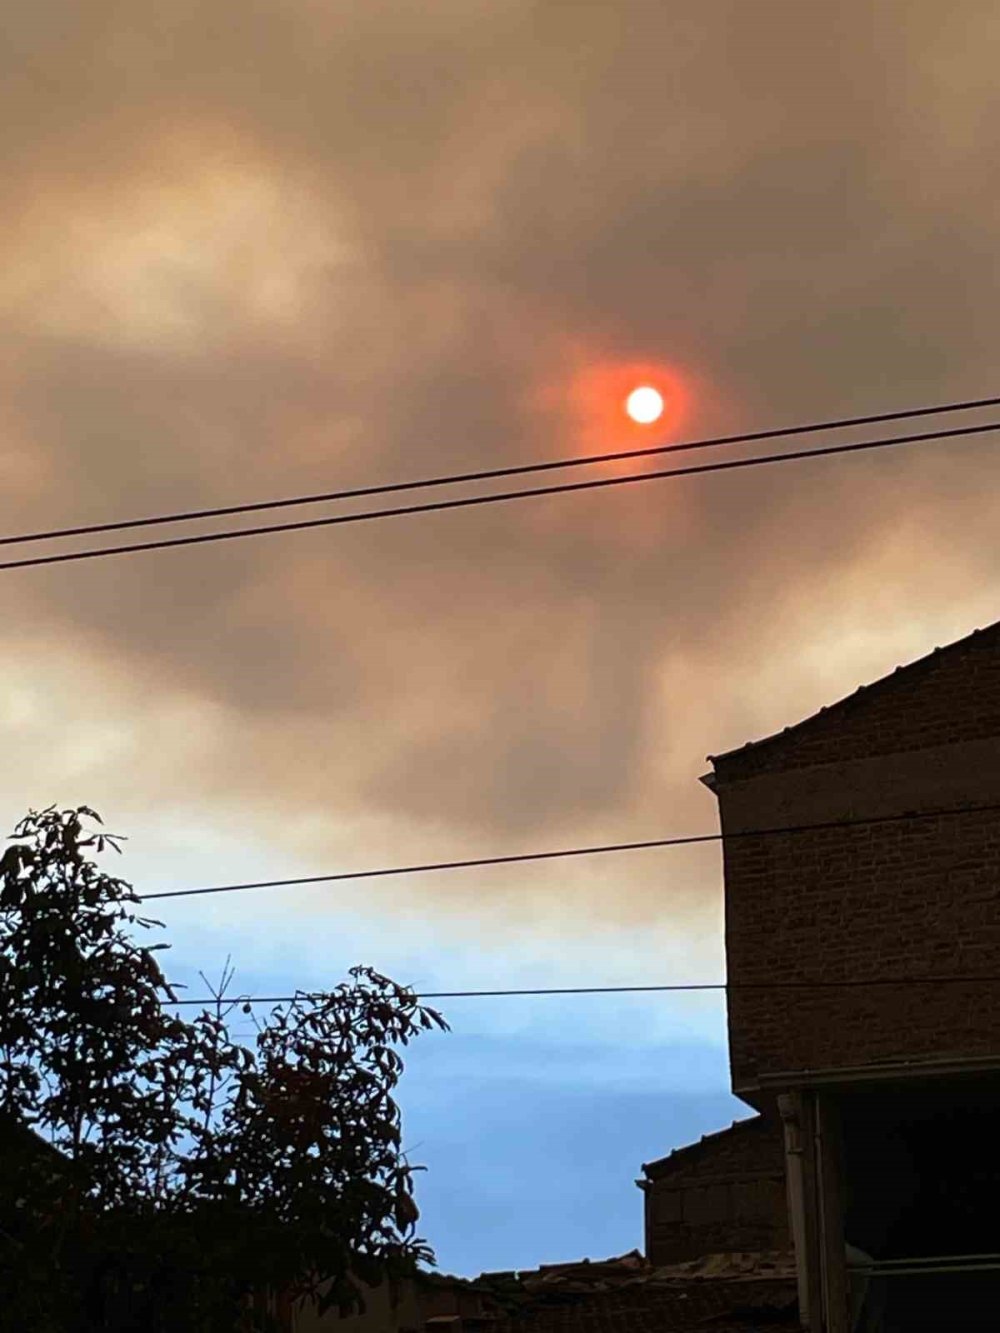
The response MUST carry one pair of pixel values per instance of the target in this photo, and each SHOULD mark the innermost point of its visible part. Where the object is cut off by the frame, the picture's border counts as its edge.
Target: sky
(256, 250)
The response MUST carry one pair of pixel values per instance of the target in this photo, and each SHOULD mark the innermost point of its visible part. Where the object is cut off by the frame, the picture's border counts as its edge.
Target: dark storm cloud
(260, 250)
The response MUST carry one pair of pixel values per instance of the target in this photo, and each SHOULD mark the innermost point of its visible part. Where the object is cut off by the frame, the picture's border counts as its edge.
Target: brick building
(725, 1193)
(889, 1089)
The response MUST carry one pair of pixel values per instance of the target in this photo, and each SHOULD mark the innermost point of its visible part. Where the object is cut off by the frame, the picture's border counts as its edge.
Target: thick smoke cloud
(255, 250)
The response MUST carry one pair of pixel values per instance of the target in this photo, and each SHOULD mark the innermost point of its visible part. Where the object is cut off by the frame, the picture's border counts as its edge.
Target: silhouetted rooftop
(728, 1293)
(690, 1151)
(889, 681)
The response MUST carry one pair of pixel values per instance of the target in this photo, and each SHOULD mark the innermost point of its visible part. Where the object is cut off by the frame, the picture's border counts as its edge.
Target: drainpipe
(833, 1275)
(796, 1185)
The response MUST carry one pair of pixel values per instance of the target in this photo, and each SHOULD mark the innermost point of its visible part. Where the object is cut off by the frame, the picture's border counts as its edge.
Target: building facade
(862, 899)
(725, 1193)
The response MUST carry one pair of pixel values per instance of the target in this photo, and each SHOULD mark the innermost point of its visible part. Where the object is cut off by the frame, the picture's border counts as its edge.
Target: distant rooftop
(726, 1292)
(691, 1150)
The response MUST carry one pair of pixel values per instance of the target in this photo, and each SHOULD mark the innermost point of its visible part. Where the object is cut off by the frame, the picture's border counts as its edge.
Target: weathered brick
(910, 899)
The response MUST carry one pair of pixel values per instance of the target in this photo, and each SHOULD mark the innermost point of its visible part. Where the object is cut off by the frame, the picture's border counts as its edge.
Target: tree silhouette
(158, 1174)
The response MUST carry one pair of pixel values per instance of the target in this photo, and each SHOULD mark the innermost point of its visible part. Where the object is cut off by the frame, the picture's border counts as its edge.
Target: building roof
(679, 1158)
(722, 1308)
(903, 677)
(16, 1134)
(727, 1293)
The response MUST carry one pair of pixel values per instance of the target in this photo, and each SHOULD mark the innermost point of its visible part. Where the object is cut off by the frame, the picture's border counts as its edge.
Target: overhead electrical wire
(686, 840)
(495, 474)
(468, 502)
(694, 986)
(680, 987)
(465, 502)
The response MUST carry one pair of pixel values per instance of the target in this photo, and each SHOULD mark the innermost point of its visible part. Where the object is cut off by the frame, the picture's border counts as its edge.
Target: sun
(613, 406)
(644, 405)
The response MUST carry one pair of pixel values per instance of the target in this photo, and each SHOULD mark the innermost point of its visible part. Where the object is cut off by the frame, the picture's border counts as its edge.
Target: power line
(500, 497)
(494, 474)
(621, 990)
(686, 840)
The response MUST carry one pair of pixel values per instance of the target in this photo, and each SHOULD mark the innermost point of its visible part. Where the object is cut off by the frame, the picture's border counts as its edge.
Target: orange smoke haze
(237, 267)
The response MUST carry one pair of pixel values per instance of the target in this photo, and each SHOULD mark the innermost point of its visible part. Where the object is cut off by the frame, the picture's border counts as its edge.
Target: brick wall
(726, 1193)
(914, 898)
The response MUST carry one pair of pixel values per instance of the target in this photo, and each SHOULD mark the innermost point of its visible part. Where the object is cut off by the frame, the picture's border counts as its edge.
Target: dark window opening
(921, 1175)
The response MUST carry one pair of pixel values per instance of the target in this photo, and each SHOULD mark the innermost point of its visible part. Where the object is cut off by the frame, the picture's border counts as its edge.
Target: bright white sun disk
(644, 405)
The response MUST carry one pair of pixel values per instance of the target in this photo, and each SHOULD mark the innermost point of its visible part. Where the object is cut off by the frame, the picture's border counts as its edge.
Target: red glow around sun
(583, 406)
(598, 395)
